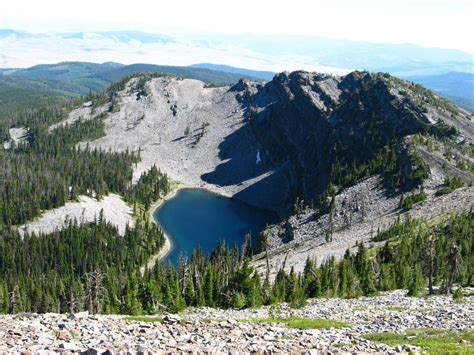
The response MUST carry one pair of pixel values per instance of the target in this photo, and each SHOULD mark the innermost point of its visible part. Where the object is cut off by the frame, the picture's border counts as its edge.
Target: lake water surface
(197, 218)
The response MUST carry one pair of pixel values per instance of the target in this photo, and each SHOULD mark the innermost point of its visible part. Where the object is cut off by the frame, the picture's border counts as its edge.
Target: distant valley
(456, 86)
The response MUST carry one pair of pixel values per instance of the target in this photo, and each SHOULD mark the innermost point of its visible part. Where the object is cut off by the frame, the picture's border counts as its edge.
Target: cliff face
(315, 129)
(350, 147)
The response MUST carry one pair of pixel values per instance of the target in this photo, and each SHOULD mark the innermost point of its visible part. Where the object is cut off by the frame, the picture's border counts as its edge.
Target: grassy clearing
(432, 341)
(74, 334)
(303, 323)
(145, 319)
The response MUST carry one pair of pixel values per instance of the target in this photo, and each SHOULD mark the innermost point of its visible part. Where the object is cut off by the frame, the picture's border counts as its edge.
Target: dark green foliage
(420, 171)
(416, 283)
(55, 272)
(77, 250)
(51, 171)
(33, 113)
(458, 295)
(407, 202)
(14, 100)
(398, 229)
(401, 263)
(386, 161)
(441, 130)
(151, 186)
(449, 186)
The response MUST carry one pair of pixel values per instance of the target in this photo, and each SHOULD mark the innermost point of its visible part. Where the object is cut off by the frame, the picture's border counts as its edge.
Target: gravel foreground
(207, 330)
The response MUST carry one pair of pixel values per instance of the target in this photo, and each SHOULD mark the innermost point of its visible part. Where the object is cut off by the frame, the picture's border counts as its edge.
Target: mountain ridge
(300, 142)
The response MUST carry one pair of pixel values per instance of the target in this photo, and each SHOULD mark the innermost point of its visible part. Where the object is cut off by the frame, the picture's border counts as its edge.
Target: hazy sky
(434, 23)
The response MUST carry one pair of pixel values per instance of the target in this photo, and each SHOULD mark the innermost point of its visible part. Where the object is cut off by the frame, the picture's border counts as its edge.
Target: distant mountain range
(448, 72)
(259, 52)
(458, 87)
(79, 78)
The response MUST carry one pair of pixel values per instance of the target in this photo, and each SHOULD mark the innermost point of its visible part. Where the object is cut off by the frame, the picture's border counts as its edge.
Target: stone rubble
(205, 330)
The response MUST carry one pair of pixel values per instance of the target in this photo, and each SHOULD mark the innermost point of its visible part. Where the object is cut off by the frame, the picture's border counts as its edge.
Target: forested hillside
(92, 268)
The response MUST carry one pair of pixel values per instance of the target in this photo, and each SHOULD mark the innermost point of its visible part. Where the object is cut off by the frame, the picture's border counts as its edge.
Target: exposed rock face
(300, 124)
(304, 123)
(18, 135)
(178, 126)
(204, 330)
(87, 209)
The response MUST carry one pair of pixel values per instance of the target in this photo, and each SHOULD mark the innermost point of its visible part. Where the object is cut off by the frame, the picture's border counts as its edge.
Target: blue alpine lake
(197, 218)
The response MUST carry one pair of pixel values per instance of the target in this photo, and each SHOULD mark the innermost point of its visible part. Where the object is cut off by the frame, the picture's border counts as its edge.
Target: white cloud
(439, 23)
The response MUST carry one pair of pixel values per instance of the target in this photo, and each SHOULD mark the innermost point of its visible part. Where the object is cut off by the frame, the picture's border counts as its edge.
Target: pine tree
(416, 282)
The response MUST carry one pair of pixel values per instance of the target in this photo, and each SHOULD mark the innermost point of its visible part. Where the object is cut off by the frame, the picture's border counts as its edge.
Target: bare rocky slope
(205, 330)
(363, 138)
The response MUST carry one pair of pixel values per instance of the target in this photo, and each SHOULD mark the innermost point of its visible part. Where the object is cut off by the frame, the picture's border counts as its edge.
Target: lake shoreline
(167, 247)
(168, 244)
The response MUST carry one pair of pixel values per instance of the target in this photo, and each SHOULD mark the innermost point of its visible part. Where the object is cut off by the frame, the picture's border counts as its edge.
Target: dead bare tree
(286, 257)
(453, 265)
(95, 291)
(184, 272)
(428, 255)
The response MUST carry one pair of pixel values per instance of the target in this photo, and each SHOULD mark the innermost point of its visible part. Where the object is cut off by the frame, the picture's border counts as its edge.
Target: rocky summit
(270, 143)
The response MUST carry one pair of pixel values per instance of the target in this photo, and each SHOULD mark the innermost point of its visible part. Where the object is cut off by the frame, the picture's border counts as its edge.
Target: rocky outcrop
(305, 124)
(18, 136)
(360, 212)
(113, 208)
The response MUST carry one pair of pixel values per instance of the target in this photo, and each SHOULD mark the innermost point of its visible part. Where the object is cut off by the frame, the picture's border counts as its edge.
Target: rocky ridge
(360, 212)
(267, 144)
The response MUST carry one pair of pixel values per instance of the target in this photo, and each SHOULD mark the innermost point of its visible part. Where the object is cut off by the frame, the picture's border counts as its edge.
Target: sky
(431, 23)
